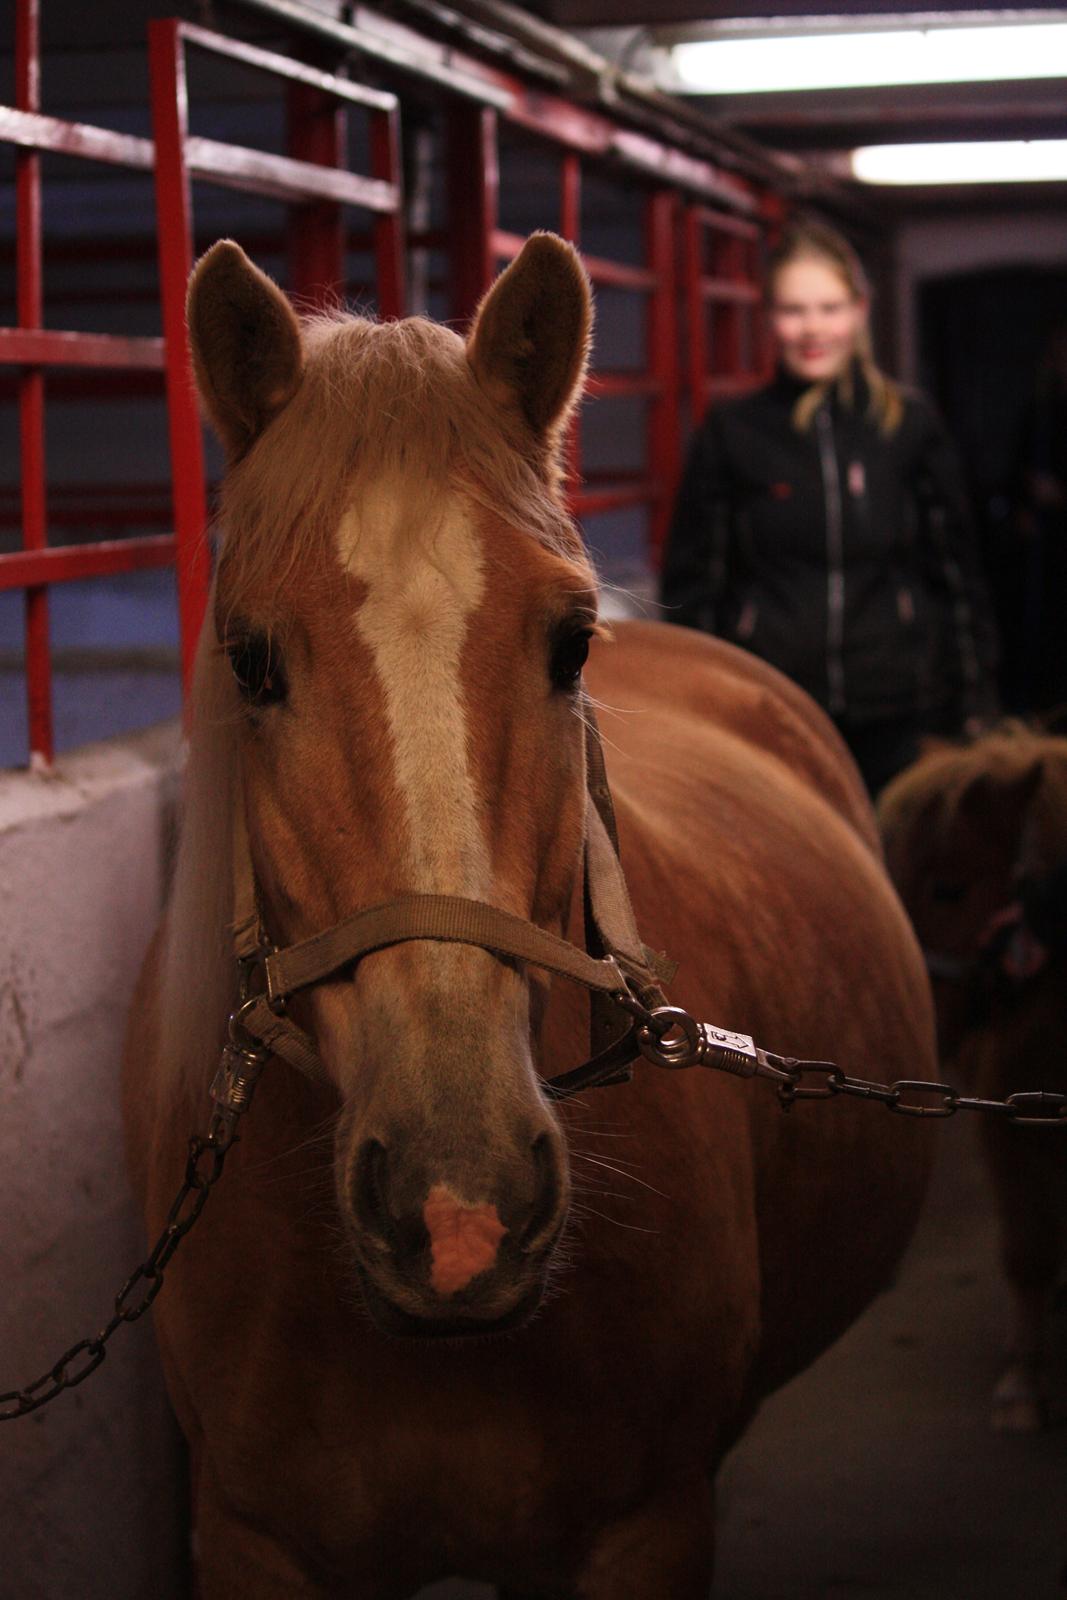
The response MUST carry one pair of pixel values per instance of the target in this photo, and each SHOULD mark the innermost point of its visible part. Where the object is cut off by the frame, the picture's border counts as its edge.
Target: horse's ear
(530, 341)
(1003, 801)
(245, 338)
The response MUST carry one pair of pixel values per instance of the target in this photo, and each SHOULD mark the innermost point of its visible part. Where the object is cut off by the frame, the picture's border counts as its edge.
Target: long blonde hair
(807, 239)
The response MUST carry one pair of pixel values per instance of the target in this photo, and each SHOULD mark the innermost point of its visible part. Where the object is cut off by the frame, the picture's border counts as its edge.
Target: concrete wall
(91, 1486)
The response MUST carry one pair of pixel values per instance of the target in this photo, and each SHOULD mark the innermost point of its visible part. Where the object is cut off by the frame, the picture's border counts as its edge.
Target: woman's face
(816, 319)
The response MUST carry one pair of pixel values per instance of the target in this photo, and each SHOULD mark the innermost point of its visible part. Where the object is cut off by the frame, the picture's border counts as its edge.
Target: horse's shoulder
(695, 688)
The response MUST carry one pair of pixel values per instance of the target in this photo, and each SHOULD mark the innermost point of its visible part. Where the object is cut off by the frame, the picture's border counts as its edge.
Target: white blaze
(422, 589)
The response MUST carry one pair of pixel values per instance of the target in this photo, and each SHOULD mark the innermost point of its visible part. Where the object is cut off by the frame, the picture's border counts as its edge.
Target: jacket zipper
(835, 563)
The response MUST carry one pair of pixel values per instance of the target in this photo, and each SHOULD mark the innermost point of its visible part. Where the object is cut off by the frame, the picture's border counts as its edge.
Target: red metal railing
(31, 351)
(313, 178)
(479, 244)
(728, 347)
(703, 252)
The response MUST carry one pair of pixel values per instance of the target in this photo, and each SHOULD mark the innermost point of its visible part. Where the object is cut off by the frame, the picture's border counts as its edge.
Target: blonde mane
(376, 398)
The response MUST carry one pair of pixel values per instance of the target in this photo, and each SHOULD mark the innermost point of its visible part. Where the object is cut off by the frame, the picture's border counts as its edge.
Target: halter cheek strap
(615, 967)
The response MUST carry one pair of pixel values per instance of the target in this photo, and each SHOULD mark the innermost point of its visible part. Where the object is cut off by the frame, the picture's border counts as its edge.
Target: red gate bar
(166, 65)
(664, 421)
(29, 130)
(473, 197)
(103, 558)
(40, 347)
(317, 132)
(570, 197)
(728, 293)
(312, 178)
(389, 247)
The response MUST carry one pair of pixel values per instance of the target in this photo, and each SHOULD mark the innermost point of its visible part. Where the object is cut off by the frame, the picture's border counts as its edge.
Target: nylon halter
(1022, 937)
(622, 975)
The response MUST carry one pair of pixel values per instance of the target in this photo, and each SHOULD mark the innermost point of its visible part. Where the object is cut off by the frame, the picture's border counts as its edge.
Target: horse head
(405, 610)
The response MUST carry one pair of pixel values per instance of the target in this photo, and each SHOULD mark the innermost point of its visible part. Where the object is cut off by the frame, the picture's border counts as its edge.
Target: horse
(976, 841)
(438, 1320)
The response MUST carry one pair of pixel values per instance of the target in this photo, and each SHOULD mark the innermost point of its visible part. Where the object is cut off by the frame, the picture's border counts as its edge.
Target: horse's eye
(258, 669)
(569, 656)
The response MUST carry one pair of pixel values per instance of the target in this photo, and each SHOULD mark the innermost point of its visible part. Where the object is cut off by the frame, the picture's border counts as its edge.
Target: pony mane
(931, 790)
(393, 398)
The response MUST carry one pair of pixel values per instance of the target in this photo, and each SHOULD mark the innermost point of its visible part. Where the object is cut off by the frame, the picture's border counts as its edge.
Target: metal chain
(1032, 1108)
(231, 1092)
(666, 1036)
(670, 1037)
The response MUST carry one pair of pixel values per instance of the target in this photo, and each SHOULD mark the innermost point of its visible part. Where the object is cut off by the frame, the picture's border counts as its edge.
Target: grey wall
(91, 1486)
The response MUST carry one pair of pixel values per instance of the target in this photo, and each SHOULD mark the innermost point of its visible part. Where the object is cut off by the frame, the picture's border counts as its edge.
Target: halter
(629, 1015)
(1016, 943)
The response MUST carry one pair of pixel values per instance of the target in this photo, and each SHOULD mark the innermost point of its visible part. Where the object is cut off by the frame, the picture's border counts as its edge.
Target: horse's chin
(403, 1314)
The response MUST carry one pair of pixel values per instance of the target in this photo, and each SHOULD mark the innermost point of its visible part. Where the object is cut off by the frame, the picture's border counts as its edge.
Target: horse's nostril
(369, 1192)
(547, 1196)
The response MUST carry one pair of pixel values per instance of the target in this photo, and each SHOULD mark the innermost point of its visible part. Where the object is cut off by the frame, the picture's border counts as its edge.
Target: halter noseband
(1018, 941)
(622, 975)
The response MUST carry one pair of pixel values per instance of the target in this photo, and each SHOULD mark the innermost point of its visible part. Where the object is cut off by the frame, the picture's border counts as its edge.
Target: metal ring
(664, 1051)
(242, 1040)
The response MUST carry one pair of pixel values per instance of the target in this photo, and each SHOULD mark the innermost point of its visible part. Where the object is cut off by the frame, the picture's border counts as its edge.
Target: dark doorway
(993, 353)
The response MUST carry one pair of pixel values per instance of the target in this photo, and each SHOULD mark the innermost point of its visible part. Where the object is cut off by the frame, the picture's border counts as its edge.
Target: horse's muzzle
(394, 1319)
(435, 1264)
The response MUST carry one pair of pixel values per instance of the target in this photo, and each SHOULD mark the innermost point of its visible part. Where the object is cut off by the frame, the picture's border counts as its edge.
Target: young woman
(821, 523)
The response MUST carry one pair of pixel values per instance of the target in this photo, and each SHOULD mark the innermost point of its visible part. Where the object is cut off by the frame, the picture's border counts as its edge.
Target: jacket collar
(789, 389)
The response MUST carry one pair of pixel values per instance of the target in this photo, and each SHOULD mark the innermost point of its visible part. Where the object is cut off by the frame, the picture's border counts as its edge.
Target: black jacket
(842, 555)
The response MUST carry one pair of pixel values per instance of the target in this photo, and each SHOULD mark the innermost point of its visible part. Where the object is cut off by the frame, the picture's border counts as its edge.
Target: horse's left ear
(245, 339)
(530, 341)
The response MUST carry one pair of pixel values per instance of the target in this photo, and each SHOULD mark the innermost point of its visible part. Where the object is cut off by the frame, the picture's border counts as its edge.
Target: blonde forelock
(393, 399)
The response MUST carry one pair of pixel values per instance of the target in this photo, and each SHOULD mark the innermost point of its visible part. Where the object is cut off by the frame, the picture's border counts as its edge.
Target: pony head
(962, 828)
(390, 677)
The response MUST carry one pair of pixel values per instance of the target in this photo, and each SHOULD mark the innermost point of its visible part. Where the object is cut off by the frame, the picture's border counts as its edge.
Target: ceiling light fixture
(872, 59)
(988, 161)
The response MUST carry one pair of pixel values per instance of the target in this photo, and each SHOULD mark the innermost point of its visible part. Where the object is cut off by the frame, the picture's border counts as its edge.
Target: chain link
(669, 1037)
(916, 1097)
(231, 1092)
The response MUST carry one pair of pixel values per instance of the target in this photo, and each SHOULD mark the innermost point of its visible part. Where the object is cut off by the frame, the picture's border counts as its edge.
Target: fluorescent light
(868, 60)
(990, 161)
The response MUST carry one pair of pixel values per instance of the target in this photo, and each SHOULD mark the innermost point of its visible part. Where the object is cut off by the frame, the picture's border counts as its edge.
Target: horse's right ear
(245, 339)
(529, 344)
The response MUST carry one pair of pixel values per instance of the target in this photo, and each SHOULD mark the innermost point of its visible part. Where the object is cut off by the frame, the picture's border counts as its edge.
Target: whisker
(585, 1155)
(631, 1227)
(601, 1194)
(645, 604)
(615, 711)
(630, 1175)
